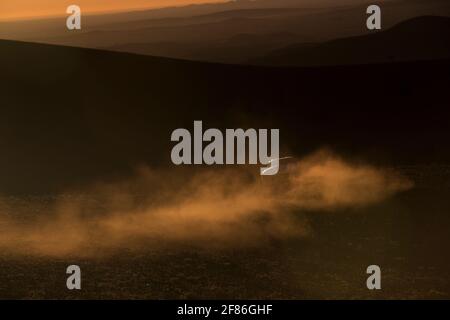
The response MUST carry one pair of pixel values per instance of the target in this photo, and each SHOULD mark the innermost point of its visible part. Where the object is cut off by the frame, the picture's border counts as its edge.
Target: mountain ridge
(418, 38)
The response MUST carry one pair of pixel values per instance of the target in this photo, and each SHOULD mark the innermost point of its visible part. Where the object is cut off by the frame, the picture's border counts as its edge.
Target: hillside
(72, 115)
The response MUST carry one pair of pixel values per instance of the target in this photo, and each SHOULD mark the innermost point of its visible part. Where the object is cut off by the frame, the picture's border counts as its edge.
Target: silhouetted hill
(72, 115)
(421, 38)
(229, 51)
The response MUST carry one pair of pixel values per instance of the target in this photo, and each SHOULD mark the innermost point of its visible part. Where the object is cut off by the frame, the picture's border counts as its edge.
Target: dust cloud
(213, 208)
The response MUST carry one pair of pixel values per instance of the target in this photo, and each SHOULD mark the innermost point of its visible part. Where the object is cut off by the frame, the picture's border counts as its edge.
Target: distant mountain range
(232, 32)
(423, 38)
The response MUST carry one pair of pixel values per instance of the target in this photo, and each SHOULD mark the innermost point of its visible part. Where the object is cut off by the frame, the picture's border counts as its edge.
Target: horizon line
(109, 12)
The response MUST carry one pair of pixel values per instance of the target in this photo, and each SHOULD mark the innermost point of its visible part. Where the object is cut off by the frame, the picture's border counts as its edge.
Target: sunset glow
(29, 9)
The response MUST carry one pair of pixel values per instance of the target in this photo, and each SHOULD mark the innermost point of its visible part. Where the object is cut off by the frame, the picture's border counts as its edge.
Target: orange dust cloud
(219, 208)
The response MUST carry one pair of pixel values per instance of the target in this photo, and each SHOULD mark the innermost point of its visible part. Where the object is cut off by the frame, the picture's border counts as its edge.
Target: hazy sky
(12, 9)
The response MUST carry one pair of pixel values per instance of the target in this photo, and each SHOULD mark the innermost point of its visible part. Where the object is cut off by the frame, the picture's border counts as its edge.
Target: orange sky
(17, 9)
